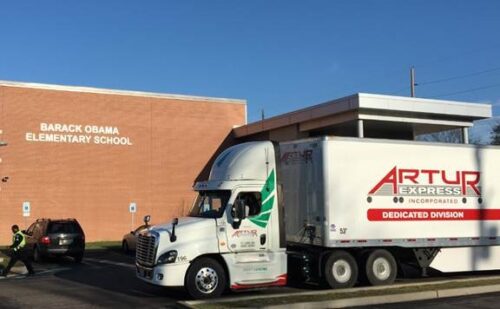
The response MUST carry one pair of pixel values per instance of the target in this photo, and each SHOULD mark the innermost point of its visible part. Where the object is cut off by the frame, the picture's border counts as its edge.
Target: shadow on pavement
(115, 278)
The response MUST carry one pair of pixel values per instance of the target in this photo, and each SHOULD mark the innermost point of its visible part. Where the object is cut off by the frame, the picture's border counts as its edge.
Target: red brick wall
(172, 140)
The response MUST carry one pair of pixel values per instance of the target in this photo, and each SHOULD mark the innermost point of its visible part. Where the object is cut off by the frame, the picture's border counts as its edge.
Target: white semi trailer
(335, 210)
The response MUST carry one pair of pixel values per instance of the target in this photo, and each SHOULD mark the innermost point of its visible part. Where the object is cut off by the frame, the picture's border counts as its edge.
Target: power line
(458, 77)
(463, 53)
(449, 79)
(466, 91)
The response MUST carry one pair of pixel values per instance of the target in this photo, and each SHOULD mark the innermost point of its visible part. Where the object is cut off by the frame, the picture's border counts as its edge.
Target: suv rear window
(56, 227)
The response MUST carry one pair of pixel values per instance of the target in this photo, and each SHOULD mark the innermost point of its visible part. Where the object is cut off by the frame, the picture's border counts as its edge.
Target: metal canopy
(369, 115)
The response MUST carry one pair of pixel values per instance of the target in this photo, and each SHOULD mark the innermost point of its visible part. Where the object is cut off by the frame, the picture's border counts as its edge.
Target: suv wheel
(37, 255)
(78, 258)
(125, 248)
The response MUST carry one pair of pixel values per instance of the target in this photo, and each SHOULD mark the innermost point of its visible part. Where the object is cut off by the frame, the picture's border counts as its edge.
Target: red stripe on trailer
(387, 240)
(280, 281)
(345, 241)
(431, 239)
(475, 238)
(416, 214)
(361, 240)
(453, 238)
(411, 240)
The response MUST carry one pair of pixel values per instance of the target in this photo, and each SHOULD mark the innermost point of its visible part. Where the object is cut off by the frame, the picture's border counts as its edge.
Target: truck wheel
(205, 279)
(341, 270)
(381, 267)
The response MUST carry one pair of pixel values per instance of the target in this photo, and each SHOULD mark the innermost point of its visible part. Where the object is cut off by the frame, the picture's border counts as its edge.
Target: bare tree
(449, 136)
(495, 134)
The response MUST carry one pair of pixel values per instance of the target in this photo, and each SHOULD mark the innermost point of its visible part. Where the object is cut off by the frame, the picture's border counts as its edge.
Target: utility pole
(412, 81)
(262, 117)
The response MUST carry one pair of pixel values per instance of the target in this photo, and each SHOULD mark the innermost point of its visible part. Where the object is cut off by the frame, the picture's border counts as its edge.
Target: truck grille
(145, 252)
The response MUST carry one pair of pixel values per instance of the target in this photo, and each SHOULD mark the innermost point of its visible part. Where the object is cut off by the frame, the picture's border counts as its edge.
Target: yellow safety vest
(23, 241)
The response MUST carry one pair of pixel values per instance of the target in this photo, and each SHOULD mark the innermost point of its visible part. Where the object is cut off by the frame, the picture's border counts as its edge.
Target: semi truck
(338, 211)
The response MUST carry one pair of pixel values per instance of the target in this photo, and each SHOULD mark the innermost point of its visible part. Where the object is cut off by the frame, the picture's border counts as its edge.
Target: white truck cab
(356, 209)
(231, 237)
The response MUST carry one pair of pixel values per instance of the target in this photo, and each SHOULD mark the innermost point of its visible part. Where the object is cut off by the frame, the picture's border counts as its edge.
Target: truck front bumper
(164, 275)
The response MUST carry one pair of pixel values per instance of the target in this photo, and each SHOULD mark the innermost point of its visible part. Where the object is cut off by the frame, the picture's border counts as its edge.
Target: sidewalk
(357, 296)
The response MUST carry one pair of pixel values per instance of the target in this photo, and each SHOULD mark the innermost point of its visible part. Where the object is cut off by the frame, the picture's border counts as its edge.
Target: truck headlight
(168, 257)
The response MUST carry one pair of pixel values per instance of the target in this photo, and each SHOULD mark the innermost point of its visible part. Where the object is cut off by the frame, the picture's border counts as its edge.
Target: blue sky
(278, 55)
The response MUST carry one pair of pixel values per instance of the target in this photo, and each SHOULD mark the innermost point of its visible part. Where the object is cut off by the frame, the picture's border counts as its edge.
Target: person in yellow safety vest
(18, 252)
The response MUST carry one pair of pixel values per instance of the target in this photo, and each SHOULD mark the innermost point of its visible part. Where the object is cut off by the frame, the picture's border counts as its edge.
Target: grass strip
(335, 295)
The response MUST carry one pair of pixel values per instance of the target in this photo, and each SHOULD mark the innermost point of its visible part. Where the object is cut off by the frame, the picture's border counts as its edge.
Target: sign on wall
(78, 134)
(132, 207)
(26, 209)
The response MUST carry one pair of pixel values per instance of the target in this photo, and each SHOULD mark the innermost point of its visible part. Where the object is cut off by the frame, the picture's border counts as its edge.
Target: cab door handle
(262, 239)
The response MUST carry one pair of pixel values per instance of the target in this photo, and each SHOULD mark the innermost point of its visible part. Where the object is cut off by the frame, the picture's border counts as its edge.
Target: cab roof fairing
(226, 185)
(248, 161)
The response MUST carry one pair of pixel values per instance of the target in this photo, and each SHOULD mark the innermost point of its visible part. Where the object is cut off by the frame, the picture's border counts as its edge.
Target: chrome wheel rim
(206, 280)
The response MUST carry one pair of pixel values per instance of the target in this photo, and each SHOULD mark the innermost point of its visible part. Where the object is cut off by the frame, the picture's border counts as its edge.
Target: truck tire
(380, 267)
(205, 279)
(341, 270)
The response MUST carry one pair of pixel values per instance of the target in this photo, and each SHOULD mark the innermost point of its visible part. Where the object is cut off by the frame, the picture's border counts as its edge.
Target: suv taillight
(45, 240)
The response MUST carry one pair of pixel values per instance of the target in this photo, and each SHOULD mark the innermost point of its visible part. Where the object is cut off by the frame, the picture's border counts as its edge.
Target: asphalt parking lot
(103, 279)
(106, 279)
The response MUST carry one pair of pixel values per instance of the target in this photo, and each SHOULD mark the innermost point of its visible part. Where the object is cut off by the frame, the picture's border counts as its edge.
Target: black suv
(50, 237)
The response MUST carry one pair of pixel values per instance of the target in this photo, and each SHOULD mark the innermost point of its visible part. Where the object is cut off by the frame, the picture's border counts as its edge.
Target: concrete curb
(389, 299)
(366, 300)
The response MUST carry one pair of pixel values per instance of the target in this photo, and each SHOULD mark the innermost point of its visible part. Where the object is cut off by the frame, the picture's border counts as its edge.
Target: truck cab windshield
(210, 204)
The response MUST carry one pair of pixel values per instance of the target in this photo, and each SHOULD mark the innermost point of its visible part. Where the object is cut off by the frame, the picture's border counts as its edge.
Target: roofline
(404, 98)
(360, 102)
(371, 95)
(119, 92)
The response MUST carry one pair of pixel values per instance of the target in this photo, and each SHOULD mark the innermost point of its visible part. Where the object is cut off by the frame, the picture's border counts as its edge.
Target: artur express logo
(428, 182)
(435, 193)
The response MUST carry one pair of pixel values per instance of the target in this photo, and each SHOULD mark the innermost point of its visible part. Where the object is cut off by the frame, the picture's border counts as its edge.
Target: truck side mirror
(239, 213)
(147, 219)
(173, 237)
(240, 209)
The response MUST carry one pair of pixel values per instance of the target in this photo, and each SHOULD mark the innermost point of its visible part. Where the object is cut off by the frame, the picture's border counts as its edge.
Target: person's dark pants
(19, 256)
